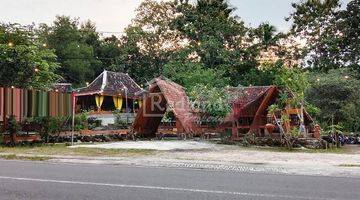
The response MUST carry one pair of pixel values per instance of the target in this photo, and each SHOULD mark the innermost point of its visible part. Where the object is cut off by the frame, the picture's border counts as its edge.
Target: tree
(211, 103)
(350, 32)
(294, 79)
(336, 95)
(216, 36)
(24, 61)
(148, 41)
(191, 74)
(109, 53)
(267, 35)
(75, 48)
(331, 34)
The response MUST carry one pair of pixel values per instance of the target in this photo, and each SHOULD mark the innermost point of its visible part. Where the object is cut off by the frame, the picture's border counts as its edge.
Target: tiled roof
(111, 84)
(62, 87)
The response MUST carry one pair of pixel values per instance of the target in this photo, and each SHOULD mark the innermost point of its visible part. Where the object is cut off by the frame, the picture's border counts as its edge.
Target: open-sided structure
(164, 94)
(108, 92)
(250, 110)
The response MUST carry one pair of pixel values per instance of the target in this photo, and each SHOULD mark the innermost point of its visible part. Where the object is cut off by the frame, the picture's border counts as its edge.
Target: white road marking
(159, 188)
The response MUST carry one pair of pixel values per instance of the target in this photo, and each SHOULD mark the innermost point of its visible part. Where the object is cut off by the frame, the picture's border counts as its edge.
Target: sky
(112, 16)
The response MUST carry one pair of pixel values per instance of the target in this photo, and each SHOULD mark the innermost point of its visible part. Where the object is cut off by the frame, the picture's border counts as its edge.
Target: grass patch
(349, 165)
(32, 158)
(62, 149)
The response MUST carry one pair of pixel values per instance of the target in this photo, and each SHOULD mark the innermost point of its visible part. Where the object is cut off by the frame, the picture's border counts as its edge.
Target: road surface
(45, 180)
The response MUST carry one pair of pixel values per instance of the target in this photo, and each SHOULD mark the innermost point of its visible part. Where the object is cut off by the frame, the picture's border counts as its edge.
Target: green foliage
(336, 94)
(81, 121)
(13, 125)
(211, 103)
(93, 122)
(273, 108)
(169, 116)
(190, 74)
(267, 35)
(75, 46)
(331, 33)
(293, 79)
(216, 37)
(119, 121)
(24, 62)
(294, 132)
(50, 126)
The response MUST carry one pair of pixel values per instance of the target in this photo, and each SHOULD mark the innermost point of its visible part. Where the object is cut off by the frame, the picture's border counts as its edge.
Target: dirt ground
(209, 151)
(204, 155)
(154, 145)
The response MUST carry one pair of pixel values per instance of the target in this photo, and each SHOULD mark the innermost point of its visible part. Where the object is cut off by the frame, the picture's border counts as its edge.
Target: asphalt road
(41, 180)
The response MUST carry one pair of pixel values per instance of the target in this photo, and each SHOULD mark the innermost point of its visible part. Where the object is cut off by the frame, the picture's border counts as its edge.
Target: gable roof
(110, 84)
(243, 98)
(173, 96)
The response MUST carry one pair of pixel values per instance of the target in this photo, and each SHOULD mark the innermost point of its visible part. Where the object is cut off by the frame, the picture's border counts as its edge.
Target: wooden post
(234, 130)
(73, 117)
(4, 107)
(262, 107)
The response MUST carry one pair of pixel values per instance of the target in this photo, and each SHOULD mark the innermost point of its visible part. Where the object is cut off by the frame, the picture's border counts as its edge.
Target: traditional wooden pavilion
(108, 92)
(250, 111)
(163, 94)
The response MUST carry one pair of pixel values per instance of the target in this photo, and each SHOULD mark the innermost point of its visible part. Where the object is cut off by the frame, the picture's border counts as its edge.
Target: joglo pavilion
(108, 92)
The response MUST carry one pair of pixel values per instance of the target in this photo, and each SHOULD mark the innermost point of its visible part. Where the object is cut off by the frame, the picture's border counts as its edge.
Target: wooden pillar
(256, 120)
(234, 127)
(4, 107)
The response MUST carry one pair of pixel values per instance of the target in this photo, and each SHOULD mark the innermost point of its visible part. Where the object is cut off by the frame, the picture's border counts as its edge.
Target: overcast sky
(115, 15)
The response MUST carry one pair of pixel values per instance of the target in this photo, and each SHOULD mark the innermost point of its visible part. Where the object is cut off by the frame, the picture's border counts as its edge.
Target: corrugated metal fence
(23, 103)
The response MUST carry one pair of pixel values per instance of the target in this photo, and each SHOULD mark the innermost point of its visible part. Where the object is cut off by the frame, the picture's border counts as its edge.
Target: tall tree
(267, 35)
(331, 34)
(218, 38)
(24, 61)
(349, 26)
(74, 46)
(336, 94)
(148, 41)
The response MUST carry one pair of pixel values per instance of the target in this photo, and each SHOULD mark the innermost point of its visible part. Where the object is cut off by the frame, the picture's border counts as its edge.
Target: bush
(93, 122)
(81, 121)
(13, 125)
(119, 122)
(49, 126)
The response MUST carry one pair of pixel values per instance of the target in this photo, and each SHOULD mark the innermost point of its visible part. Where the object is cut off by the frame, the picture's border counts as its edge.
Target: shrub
(119, 122)
(93, 122)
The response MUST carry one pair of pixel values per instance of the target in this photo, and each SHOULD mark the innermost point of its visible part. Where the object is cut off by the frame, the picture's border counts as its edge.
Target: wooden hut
(161, 95)
(250, 111)
(108, 92)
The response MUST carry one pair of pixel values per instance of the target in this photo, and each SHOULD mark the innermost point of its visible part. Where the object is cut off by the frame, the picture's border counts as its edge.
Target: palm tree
(267, 35)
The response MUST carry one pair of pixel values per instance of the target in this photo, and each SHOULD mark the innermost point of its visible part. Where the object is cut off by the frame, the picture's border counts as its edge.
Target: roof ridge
(257, 86)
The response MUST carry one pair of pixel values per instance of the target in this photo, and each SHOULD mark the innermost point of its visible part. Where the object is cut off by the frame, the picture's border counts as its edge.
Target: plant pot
(270, 128)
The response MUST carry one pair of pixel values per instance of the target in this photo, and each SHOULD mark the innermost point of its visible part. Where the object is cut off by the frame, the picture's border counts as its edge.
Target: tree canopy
(201, 44)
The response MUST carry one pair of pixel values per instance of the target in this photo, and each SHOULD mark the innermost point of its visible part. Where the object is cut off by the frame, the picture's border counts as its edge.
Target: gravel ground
(206, 155)
(154, 145)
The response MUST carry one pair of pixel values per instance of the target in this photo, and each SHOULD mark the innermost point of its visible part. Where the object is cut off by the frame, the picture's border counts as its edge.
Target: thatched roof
(172, 95)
